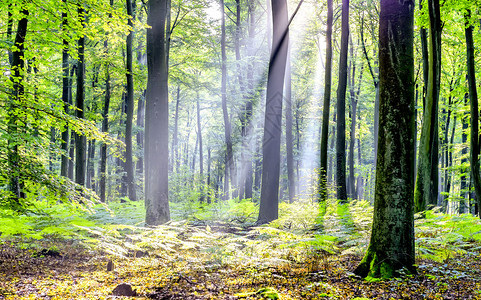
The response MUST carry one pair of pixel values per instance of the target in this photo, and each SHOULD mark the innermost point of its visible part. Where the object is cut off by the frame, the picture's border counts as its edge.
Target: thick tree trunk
(80, 140)
(426, 191)
(271, 143)
(473, 97)
(392, 240)
(341, 107)
(129, 163)
(157, 117)
(326, 106)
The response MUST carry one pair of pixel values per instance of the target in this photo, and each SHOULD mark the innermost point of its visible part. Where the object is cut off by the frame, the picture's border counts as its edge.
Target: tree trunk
(65, 90)
(105, 129)
(426, 191)
(291, 180)
(473, 97)
(175, 138)
(227, 126)
(129, 164)
(18, 93)
(392, 240)
(326, 107)
(157, 117)
(271, 152)
(140, 133)
(80, 140)
(341, 107)
(201, 153)
(464, 198)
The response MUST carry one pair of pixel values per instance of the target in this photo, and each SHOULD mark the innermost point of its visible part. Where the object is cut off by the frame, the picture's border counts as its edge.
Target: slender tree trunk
(18, 94)
(341, 107)
(392, 240)
(375, 78)
(426, 191)
(201, 153)
(65, 91)
(271, 143)
(326, 107)
(157, 116)
(228, 140)
(175, 138)
(80, 140)
(473, 97)
(140, 133)
(289, 138)
(105, 129)
(129, 164)
(464, 198)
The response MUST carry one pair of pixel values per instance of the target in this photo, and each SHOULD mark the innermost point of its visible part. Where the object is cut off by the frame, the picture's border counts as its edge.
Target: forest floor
(199, 260)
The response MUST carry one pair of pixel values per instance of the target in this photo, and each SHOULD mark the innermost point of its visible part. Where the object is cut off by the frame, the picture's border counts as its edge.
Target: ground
(290, 259)
(76, 273)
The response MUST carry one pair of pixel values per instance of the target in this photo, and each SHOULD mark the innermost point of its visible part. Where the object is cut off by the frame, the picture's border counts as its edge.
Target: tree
(473, 97)
(65, 89)
(271, 141)
(426, 190)
(18, 94)
(157, 116)
(326, 106)
(129, 164)
(392, 240)
(229, 165)
(80, 140)
(341, 107)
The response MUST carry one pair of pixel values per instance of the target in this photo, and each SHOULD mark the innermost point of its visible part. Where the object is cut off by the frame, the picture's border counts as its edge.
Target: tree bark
(157, 117)
(326, 107)
(391, 246)
(268, 210)
(341, 107)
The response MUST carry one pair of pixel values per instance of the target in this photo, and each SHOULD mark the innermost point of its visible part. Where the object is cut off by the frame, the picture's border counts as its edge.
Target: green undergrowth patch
(440, 236)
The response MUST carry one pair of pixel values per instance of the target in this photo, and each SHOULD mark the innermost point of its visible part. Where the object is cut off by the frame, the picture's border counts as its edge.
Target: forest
(240, 149)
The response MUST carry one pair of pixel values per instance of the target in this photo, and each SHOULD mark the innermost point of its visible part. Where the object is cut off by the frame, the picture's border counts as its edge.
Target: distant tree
(157, 116)
(271, 142)
(392, 240)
